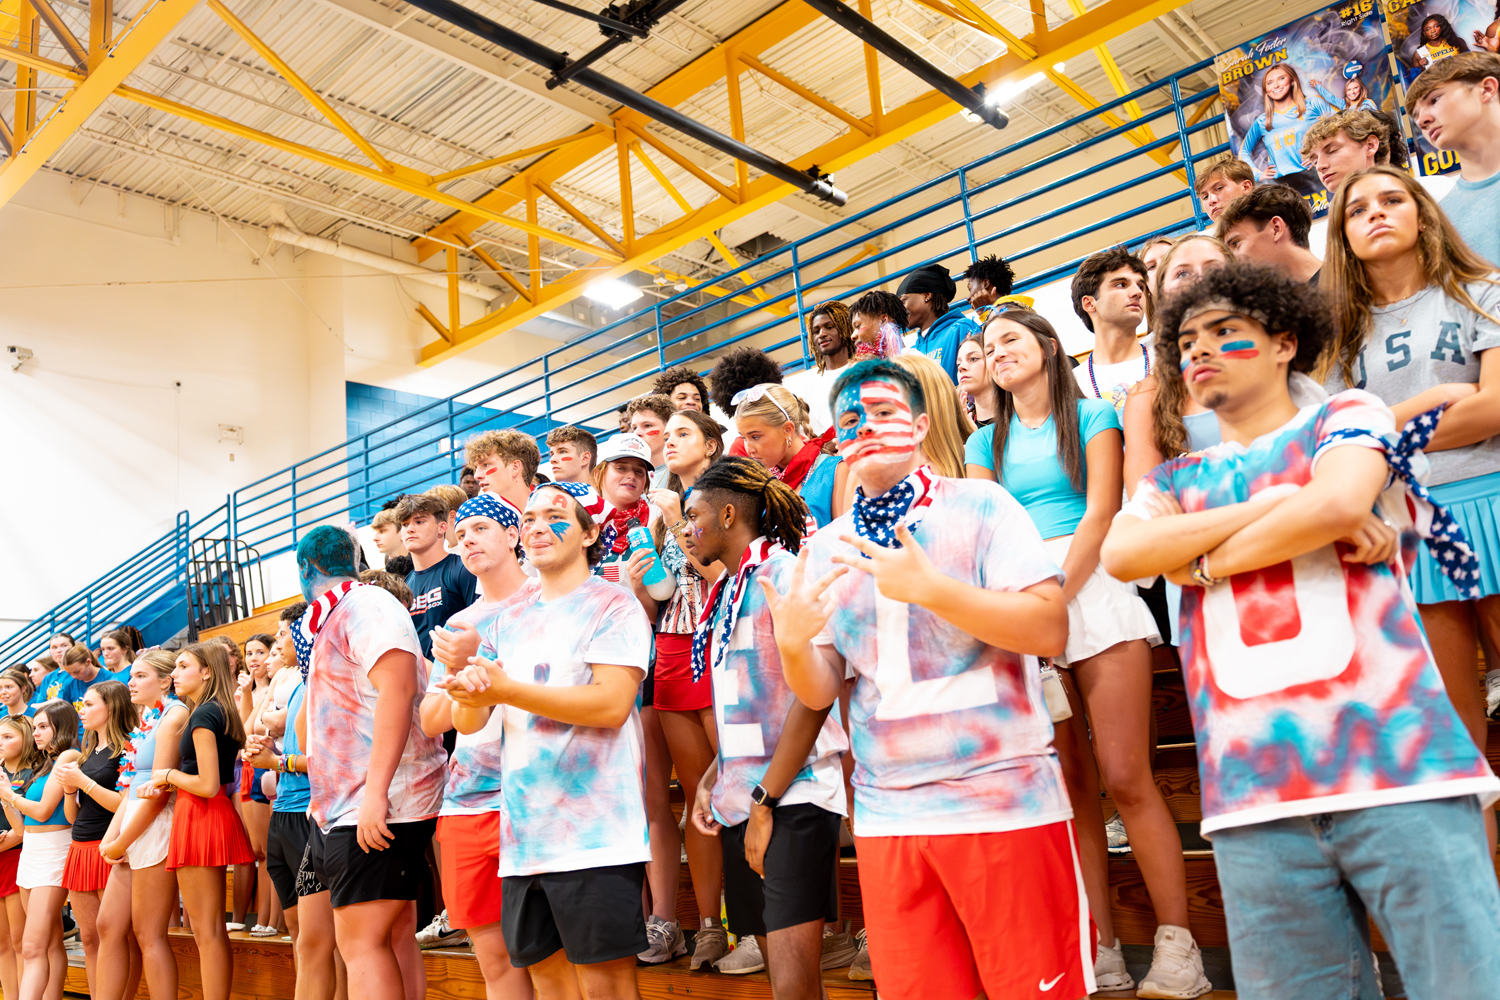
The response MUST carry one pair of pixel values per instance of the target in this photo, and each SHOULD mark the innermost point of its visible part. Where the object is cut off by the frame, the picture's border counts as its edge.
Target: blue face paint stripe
(559, 528)
(1237, 346)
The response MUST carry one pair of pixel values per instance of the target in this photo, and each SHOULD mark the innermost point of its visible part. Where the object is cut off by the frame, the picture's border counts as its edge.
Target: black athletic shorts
(354, 876)
(802, 871)
(592, 915)
(286, 843)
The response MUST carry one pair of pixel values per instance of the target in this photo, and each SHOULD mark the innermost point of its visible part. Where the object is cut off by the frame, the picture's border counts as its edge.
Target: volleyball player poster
(1275, 86)
(1425, 31)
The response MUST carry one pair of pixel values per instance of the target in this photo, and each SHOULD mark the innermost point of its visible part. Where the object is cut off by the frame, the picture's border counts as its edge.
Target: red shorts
(675, 690)
(470, 864)
(8, 862)
(997, 914)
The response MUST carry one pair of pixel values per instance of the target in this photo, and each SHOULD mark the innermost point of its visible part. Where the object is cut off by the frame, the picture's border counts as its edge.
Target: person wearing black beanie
(926, 293)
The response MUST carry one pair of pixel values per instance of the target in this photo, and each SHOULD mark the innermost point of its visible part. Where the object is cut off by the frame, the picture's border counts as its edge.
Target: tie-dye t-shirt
(474, 768)
(751, 701)
(366, 624)
(1310, 683)
(950, 735)
(574, 796)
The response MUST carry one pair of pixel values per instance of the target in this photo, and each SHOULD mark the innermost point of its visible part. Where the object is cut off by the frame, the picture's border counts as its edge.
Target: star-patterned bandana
(876, 518)
(1445, 538)
(305, 630)
(758, 552)
(584, 493)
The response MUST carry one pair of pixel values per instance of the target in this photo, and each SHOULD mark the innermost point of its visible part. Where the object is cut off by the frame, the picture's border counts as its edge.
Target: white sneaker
(263, 930)
(746, 957)
(1109, 969)
(1114, 835)
(1176, 967)
(439, 934)
(1491, 692)
(664, 940)
(233, 925)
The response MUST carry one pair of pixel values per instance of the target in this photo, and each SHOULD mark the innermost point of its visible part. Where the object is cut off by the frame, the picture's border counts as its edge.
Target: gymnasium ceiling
(214, 107)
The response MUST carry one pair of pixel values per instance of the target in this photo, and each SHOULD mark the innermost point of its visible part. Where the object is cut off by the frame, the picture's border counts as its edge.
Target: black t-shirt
(436, 593)
(93, 819)
(211, 717)
(18, 783)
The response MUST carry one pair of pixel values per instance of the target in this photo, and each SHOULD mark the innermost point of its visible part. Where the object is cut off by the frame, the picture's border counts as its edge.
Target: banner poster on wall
(1274, 87)
(1426, 31)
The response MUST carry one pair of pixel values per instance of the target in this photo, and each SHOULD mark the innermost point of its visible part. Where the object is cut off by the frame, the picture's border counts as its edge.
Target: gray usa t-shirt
(1427, 340)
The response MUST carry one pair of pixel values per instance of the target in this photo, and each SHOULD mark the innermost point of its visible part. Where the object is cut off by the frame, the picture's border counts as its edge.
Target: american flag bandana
(306, 628)
(598, 508)
(1446, 540)
(758, 552)
(876, 518)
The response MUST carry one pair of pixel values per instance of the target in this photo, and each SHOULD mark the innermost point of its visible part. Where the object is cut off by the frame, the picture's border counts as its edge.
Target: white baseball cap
(627, 446)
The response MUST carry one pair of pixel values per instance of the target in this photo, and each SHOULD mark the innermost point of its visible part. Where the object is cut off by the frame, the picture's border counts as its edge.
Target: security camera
(18, 356)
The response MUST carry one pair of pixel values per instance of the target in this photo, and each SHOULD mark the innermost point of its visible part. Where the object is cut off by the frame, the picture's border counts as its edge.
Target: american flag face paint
(874, 424)
(1239, 350)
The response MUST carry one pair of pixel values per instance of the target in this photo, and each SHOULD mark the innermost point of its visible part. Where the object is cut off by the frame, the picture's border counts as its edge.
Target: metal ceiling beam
(1068, 39)
(128, 50)
(492, 31)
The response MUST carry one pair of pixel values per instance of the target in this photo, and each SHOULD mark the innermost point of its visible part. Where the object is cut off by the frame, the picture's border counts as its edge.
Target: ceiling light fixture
(612, 293)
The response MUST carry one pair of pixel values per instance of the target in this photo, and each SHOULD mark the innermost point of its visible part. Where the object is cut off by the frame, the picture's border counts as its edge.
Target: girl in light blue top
(1060, 455)
(1288, 114)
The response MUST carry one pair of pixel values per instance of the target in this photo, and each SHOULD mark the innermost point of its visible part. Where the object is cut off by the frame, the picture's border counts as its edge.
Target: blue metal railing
(980, 204)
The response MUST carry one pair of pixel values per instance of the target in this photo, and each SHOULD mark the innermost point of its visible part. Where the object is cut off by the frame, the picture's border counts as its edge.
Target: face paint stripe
(1241, 349)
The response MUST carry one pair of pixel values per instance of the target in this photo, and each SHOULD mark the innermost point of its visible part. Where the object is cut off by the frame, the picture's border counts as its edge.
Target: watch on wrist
(761, 797)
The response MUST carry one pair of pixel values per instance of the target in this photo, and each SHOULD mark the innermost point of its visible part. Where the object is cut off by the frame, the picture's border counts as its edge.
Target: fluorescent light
(1058, 66)
(612, 292)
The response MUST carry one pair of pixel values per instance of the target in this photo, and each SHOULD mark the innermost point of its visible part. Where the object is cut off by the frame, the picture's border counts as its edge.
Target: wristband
(1200, 572)
(681, 523)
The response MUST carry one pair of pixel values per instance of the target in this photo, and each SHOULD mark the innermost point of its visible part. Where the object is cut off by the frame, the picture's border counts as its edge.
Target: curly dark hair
(887, 305)
(994, 271)
(1091, 275)
(680, 375)
(741, 368)
(1288, 307)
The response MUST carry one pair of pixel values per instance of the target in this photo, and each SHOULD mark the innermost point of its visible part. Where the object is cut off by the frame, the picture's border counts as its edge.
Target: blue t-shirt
(64, 686)
(940, 342)
(436, 593)
(293, 792)
(1474, 208)
(1032, 472)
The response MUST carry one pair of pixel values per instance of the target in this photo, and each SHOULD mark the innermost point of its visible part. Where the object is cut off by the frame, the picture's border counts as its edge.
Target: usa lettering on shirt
(1310, 683)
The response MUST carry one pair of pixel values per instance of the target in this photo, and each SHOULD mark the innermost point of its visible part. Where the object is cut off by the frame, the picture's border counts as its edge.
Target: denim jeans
(1297, 891)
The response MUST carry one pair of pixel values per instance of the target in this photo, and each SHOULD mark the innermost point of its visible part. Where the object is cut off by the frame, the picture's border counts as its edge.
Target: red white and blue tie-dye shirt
(366, 624)
(751, 701)
(474, 768)
(1310, 683)
(573, 796)
(950, 735)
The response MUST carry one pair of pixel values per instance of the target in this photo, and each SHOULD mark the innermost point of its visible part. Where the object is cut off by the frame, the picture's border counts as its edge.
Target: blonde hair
(1445, 258)
(510, 446)
(123, 717)
(949, 425)
(1296, 94)
(776, 406)
(453, 496)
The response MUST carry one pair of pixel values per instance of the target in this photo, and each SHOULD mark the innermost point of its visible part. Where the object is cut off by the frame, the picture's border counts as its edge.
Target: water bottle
(640, 539)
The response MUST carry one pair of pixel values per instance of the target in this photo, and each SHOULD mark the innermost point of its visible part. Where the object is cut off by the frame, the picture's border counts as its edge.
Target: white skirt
(1106, 611)
(43, 857)
(150, 848)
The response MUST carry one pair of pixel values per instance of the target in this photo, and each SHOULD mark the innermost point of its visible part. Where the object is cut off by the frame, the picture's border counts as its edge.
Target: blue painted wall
(418, 452)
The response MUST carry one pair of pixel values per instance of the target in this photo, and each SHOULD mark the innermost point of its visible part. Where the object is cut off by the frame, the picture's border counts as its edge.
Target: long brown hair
(948, 425)
(64, 720)
(713, 434)
(1168, 431)
(1445, 258)
(1296, 94)
(219, 686)
(123, 717)
(31, 755)
(1062, 389)
(23, 681)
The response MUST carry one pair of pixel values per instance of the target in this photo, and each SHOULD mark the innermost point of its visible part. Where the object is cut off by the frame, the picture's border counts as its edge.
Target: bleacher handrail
(323, 486)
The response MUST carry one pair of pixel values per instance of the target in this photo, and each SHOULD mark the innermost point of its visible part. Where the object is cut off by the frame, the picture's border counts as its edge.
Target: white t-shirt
(1112, 382)
(812, 387)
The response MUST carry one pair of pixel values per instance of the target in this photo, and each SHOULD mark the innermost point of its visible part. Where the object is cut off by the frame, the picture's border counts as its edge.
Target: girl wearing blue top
(20, 756)
(137, 839)
(1288, 114)
(15, 692)
(1060, 456)
(44, 849)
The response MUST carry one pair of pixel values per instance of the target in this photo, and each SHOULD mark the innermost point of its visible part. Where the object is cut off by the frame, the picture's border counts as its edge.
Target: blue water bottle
(640, 540)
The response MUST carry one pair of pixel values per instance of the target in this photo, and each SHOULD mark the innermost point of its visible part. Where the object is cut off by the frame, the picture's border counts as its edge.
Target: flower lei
(149, 718)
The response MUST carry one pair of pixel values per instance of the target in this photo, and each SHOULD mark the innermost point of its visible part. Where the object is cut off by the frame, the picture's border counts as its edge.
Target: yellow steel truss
(865, 136)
